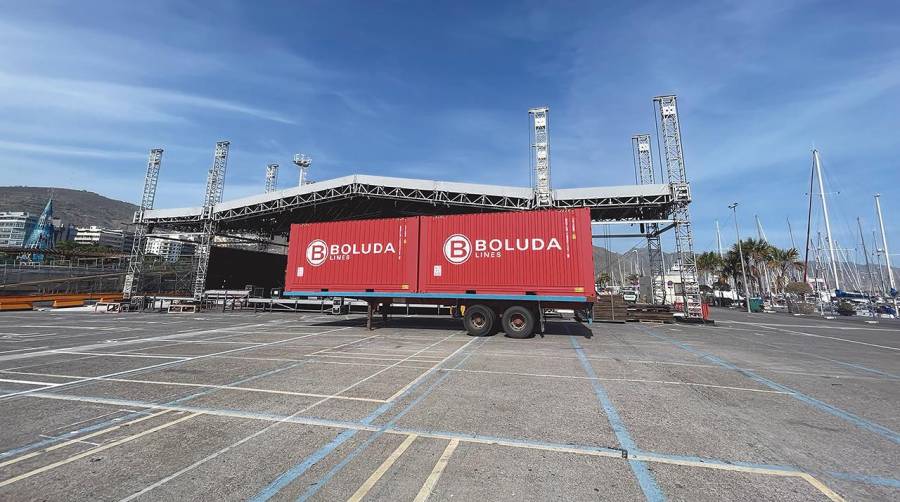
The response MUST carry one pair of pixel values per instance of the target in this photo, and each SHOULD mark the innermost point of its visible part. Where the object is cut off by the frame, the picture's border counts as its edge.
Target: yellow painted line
(828, 492)
(369, 483)
(93, 451)
(474, 440)
(79, 439)
(435, 475)
(825, 490)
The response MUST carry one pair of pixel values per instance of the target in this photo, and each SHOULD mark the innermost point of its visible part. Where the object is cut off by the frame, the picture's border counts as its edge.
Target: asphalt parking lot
(244, 406)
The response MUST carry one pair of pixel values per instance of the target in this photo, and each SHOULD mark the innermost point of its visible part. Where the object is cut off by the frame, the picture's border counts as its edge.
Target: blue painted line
(407, 294)
(115, 421)
(820, 405)
(298, 470)
(91, 428)
(869, 480)
(843, 363)
(641, 471)
(70, 435)
(315, 487)
(516, 441)
(861, 367)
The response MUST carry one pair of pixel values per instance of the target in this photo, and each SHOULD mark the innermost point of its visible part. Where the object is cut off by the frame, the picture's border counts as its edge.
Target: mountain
(78, 207)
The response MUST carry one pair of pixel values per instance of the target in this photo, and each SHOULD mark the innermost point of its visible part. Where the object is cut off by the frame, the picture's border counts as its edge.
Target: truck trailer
(498, 271)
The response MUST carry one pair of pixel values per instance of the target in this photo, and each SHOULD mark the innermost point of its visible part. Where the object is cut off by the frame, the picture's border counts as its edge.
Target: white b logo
(457, 249)
(316, 252)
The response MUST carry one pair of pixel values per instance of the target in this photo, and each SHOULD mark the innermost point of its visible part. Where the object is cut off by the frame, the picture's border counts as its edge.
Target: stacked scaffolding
(271, 177)
(643, 161)
(215, 187)
(136, 260)
(673, 156)
(540, 155)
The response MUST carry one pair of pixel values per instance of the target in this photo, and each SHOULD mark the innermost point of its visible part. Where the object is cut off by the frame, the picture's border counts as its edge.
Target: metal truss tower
(540, 156)
(643, 163)
(303, 162)
(136, 260)
(215, 186)
(673, 156)
(271, 177)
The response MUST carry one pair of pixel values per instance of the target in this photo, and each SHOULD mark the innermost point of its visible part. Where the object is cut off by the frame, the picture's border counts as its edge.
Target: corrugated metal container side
(365, 255)
(518, 253)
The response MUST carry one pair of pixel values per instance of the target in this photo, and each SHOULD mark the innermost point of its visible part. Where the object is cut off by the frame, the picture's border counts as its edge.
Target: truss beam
(215, 187)
(540, 155)
(132, 282)
(646, 175)
(673, 156)
(271, 177)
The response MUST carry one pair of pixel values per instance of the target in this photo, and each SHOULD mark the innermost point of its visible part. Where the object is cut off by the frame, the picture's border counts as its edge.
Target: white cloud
(68, 151)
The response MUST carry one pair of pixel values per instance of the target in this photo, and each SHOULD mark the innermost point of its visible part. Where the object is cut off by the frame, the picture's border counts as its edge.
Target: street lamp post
(737, 231)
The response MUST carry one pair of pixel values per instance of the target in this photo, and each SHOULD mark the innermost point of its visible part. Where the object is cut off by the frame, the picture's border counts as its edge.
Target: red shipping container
(365, 255)
(517, 253)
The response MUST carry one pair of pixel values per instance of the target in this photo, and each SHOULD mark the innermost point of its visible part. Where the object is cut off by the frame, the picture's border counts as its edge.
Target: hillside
(78, 207)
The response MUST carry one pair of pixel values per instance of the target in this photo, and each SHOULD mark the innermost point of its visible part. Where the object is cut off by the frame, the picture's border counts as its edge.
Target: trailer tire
(479, 320)
(518, 322)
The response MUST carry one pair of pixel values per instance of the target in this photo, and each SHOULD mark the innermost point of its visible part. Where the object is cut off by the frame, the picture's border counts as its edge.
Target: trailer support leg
(369, 316)
(541, 318)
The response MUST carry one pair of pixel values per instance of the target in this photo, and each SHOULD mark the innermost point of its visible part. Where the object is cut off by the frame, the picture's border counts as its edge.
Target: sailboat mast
(837, 280)
(887, 253)
(866, 255)
(791, 233)
(718, 239)
(812, 176)
(878, 261)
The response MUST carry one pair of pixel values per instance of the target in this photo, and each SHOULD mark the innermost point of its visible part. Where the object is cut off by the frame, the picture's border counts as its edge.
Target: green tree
(711, 265)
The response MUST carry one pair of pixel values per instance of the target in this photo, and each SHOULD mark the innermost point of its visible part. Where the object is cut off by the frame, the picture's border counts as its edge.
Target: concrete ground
(232, 406)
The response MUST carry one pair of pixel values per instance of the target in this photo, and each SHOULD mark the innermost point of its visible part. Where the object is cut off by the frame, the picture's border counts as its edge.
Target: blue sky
(440, 90)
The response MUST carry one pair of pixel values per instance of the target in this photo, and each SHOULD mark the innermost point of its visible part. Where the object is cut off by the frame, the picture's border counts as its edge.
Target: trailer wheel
(518, 322)
(479, 320)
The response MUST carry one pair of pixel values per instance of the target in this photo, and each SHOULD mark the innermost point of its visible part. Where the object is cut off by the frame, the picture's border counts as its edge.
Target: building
(98, 236)
(15, 227)
(165, 246)
(63, 231)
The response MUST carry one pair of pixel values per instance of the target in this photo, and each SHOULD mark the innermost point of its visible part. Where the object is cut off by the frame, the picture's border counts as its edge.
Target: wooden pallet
(610, 308)
(643, 312)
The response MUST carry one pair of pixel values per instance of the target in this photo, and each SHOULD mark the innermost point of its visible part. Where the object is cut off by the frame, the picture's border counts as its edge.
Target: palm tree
(785, 261)
(759, 254)
(711, 264)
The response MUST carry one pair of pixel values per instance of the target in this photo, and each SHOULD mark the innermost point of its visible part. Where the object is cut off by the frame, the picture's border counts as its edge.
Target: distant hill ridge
(78, 207)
